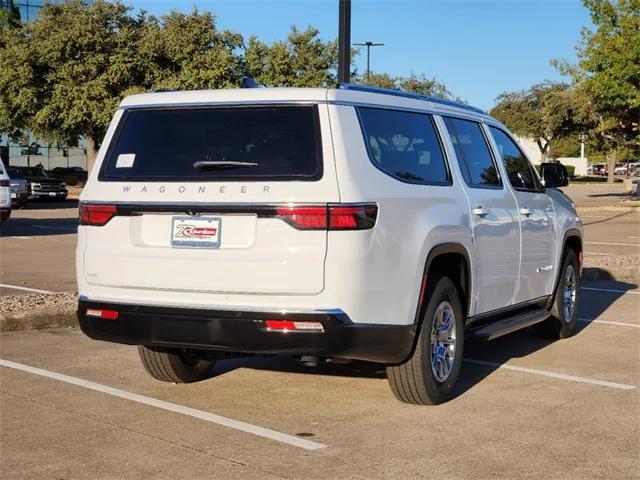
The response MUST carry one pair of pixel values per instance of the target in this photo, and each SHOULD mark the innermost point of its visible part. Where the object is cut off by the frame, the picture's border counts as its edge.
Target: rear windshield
(216, 143)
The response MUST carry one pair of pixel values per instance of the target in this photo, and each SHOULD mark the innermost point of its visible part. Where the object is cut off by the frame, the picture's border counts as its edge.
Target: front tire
(564, 312)
(174, 365)
(430, 375)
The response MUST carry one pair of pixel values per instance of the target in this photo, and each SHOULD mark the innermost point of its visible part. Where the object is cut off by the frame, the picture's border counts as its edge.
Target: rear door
(493, 216)
(226, 199)
(535, 211)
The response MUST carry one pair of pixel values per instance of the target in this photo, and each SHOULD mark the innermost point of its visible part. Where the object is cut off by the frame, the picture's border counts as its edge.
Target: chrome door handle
(480, 211)
(525, 211)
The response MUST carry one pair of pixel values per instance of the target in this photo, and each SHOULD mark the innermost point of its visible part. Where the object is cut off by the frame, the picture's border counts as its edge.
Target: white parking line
(15, 287)
(614, 243)
(171, 407)
(596, 253)
(610, 290)
(545, 373)
(608, 322)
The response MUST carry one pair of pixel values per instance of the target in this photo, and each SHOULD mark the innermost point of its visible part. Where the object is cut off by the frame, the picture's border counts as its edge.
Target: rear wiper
(218, 164)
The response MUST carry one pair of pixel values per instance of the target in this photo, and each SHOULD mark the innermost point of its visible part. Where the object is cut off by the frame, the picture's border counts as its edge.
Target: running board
(504, 326)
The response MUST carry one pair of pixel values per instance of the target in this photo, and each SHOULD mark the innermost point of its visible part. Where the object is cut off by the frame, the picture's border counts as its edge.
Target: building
(32, 151)
(28, 9)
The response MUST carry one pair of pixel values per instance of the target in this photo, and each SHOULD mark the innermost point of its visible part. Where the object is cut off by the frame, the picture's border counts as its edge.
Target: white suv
(351, 223)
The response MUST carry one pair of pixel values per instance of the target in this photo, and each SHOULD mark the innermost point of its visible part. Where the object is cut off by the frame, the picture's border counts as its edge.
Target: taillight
(331, 217)
(357, 217)
(304, 218)
(96, 215)
(5, 183)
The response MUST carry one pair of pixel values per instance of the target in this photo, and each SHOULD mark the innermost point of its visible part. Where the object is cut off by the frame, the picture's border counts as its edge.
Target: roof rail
(415, 96)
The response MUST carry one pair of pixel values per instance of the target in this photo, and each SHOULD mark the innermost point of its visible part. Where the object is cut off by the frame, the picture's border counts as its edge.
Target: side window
(474, 156)
(404, 145)
(520, 172)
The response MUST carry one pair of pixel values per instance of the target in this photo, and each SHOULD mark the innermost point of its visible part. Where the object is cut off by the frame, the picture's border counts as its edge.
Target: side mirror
(554, 175)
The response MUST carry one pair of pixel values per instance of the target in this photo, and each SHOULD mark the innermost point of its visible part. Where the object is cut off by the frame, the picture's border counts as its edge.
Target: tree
(302, 60)
(608, 73)
(545, 112)
(63, 75)
(9, 16)
(413, 83)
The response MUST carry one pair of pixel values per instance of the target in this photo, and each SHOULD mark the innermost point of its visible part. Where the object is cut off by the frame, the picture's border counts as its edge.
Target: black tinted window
(264, 142)
(474, 156)
(520, 172)
(404, 145)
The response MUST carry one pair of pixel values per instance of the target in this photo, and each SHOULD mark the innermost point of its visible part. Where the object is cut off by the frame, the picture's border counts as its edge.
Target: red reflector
(103, 314)
(280, 325)
(290, 326)
(5, 183)
(305, 218)
(96, 215)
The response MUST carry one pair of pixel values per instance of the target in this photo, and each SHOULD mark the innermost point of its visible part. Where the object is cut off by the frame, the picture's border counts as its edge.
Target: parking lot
(526, 408)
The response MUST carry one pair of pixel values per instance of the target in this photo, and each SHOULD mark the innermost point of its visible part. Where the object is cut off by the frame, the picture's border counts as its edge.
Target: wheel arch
(441, 255)
(452, 260)
(572, 239)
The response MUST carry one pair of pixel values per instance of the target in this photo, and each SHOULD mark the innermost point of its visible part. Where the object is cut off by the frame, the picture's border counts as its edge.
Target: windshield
(34, 171)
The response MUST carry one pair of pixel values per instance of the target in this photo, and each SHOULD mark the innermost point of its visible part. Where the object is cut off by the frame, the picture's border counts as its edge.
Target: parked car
(350, 223)
(76, 176)
(596, 169)
(43, 186)
(621, 169)
(20, 187)
(5, 194)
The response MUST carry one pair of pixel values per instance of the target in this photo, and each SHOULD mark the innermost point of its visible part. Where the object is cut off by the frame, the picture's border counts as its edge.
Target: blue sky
(478, 48)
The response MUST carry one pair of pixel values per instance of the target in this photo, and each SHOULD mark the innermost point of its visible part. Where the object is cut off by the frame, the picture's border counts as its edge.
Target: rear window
(216, 143)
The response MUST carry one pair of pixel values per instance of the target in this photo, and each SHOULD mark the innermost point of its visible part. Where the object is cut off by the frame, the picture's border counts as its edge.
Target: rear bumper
(19, 198)
(58, 195)
(244, 332)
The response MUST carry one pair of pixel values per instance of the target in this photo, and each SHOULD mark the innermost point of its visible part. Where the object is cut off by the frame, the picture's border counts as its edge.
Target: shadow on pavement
(45, 205)
(612, 217)
(499, 351)
(32, 227)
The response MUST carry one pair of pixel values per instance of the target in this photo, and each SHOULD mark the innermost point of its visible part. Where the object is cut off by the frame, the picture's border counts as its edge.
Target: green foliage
(9, 17)
(413, 83)
(302, 60)
(608, 70)
(545, 112)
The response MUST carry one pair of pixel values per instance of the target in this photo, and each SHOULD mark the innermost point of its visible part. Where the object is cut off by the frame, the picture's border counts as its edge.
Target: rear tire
(174, 365)
(429, 376)
(564, 312)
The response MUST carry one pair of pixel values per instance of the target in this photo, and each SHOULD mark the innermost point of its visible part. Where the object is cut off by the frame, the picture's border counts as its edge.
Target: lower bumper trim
(245, 332)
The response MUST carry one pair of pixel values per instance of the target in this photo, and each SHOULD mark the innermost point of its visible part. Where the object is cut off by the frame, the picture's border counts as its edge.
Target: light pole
(344, 41)
(368, 44)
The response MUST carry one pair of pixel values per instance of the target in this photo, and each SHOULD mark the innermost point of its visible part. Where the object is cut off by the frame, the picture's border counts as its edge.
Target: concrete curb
(608, 208)
(37, 321)
(37, 311)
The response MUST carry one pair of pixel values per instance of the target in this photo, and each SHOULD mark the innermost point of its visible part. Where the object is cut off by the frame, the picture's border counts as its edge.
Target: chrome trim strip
(226, 308)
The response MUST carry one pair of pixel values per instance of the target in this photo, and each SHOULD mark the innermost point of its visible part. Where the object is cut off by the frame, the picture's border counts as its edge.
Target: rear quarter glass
(160, 144)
